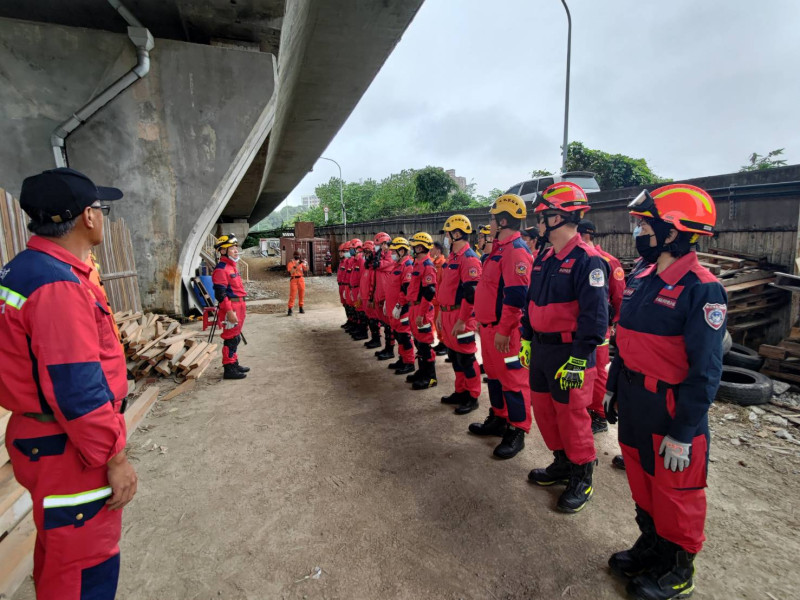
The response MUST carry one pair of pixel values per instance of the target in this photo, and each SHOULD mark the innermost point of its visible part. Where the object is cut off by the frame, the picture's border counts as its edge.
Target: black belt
(549, 338)
(489, 324)
(297, 276)
(640, 379)
(236, 299)
(41, 417)
(450, 308)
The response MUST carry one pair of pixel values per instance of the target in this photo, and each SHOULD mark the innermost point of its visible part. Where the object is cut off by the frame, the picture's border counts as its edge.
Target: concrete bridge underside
(240, 101)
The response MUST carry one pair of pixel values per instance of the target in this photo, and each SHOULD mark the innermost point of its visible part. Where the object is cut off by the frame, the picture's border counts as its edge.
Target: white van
(527, 190)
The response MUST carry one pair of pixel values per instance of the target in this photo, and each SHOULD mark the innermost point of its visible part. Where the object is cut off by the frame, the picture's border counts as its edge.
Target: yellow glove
(571, 374)
(525, 353)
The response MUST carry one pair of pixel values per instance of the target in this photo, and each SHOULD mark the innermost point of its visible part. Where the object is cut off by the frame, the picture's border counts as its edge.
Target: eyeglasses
(104, 208)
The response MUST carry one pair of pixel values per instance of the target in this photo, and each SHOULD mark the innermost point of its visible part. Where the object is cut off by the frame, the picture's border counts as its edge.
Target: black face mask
(649, 253)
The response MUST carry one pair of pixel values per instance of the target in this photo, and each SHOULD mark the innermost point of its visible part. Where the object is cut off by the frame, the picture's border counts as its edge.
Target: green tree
(612, 170)
(540, 173)
(433, 186)
(760, 162)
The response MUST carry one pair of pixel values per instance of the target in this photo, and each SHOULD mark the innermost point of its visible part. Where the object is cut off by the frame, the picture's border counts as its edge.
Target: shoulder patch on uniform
(597, 278)
(619, 274)
(429, 279)
(473, 271)
(715, 315)
(521, 268)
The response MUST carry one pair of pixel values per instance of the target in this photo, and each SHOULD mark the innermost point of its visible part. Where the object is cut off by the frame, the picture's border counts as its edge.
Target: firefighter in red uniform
(231, 310)
(63, 377)
(456, 292)
(341, 278)
(397, 299)
(499, 300)
(566, 319)
(420, 293)
(664, 378)
(384, 265)
(438, 257)
(359, 332)
(616, 284)
(367, 295)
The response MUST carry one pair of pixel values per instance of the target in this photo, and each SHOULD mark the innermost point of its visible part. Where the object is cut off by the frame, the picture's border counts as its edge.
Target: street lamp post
(341, 194)
(566, 99)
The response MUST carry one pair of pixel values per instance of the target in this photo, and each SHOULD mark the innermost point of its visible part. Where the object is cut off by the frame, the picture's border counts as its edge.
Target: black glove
(610, 407)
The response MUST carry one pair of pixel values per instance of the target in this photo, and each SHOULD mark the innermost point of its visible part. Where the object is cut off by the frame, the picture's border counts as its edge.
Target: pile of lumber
(783, 361)
(155, 344)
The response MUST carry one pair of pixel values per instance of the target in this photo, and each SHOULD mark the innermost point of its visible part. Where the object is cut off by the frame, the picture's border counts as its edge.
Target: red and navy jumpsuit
(341, 273)
(499, 300)
(366, 291)
(396, 294)
(383, 280)
(356, 269)
(616, 284)
(63, 377)
(230, 294)
(421, 292)
(665, 375)
(456, 293)
(566, 315)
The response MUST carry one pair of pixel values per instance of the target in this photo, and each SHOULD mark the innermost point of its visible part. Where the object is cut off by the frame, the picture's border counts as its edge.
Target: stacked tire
(741, 383)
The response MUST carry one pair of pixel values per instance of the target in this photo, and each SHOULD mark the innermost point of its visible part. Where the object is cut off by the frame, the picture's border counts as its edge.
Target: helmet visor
(643, 205)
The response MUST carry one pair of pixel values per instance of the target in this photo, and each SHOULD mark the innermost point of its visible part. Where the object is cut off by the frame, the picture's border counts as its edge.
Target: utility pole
(566, 98)
(341, 194)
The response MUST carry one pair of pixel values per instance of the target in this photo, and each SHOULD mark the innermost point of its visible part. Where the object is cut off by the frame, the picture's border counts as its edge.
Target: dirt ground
(322, 458)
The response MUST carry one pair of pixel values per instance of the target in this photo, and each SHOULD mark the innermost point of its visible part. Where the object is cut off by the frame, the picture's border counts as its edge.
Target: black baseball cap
(585, 226)
(530, 232)
(61, 194)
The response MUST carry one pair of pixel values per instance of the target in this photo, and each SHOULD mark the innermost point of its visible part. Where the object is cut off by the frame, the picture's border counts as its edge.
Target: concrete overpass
(241, 98)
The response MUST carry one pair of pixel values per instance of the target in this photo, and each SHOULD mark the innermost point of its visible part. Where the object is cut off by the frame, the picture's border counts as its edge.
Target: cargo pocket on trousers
(692, 477)
(74, 509)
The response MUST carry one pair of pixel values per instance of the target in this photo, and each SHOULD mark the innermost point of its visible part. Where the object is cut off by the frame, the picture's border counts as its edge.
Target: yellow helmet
(457, 222)
(399, 242)
(511, 204)
(421, 239)
(485, 230)
(226, 241)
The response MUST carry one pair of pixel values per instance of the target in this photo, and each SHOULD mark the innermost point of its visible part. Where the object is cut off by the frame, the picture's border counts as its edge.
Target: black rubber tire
(727, 342)
(743, 387)
(743, 357)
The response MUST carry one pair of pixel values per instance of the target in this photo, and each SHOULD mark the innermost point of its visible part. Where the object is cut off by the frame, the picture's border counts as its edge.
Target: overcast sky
(692, 86)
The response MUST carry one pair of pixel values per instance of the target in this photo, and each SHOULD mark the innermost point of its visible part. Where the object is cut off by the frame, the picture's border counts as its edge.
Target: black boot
(440, 349)
(419, 373)
(599, 424)
(455, 398)
(404, 368)
(618, 462)
(513, 442)
(491, 426)
(556, 472)
(671, 579)
(289, 312)
(644, 553)
(231, 372)
(361, 332)
(579, 488)
(375, 331)
(467, 406)
(241, 368)
(301, 310)
(386, 354)
(428, 378)
(396, 364)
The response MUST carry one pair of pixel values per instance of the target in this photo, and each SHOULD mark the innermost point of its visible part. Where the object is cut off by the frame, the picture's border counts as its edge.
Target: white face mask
(235, 259)
(395, 256)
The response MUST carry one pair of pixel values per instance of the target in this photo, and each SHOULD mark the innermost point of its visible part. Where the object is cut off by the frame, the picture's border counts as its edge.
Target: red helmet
(381, 237)
(342, 246)
(564, 196)
(369, 246)
(685, 207)
(355, 243)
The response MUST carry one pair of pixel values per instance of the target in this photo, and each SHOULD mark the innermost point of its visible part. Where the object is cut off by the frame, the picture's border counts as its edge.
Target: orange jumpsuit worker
(297, 270)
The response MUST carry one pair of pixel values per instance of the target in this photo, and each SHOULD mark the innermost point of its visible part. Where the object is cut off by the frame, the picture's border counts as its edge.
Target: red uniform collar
(576, 240)
(508, 240)
(40, 244)
(228, 262)
(462, 251)
(677, 270)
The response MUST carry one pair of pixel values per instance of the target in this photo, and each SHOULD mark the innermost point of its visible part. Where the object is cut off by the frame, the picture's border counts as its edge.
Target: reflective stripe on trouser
(425, 332)
(513, 403)
(561, 415)
(600, 380)
(297, 287)
(229, 348)
(675, 500)
(76, 554)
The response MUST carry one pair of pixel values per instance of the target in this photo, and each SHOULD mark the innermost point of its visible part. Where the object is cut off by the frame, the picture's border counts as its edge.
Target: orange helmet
(381, 237)
(685, 207)
(343, 247)
(369, 246)
(355, 243)
(564, 196)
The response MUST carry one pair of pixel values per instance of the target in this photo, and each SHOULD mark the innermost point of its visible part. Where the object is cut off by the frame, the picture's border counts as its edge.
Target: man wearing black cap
(616, 285)
(63, 377)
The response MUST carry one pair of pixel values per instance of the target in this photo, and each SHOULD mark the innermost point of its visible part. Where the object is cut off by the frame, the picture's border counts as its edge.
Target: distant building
(309, 201)
(461, 182)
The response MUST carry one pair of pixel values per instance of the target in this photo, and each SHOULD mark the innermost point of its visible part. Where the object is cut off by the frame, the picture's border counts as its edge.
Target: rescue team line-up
(547, 302)
(544, 323)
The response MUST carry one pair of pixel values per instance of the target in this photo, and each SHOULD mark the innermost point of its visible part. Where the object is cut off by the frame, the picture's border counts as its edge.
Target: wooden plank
(152, 343)
(16, 556)
(172, 350)
(14, 505)
(193, 353)
(791, 348)
(196, 372)
(186, 386)
(164, 368)
(202, 356)
(778, 375)
(178, 355)
(775, 352)
(748, 284)
(736, 327)
(180, 338)
(139, 409)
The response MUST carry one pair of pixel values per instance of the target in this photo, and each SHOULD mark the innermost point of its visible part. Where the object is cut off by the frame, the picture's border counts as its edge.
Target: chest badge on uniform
(473, 272)
(521, 268)
(597, 278)
(619, 274)
(715, 315)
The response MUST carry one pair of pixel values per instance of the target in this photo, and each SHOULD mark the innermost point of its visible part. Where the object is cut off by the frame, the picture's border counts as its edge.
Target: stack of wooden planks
(155, 344)
(783, 361)
(752, 300)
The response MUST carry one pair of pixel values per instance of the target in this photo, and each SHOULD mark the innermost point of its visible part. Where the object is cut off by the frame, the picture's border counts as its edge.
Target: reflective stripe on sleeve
(11, 297)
